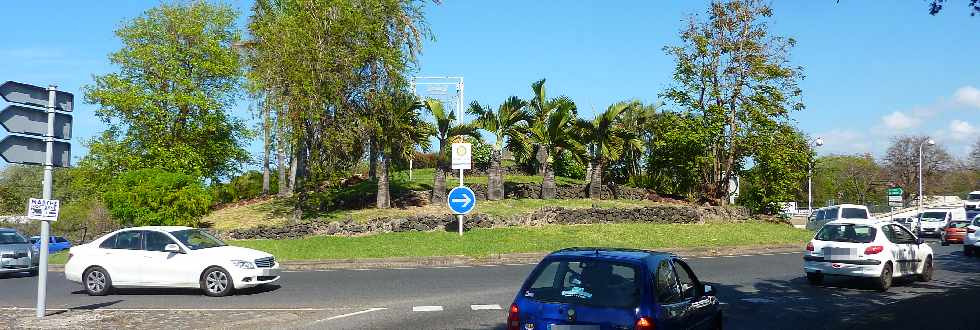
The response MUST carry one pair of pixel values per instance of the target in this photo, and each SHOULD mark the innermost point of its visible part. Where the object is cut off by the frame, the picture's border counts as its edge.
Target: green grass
(270, 213)
(58, 258)
(502, 208)
(424, 177)
(483, 242)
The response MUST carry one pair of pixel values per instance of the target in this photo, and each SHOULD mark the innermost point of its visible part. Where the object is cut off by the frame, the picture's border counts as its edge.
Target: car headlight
(243, 264)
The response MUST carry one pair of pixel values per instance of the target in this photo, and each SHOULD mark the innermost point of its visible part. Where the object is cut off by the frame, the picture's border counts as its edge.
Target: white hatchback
(971, 243)
(870, 249)
(173, 257)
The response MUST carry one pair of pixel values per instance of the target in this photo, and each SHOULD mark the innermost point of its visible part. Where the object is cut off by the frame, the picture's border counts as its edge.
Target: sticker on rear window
(577, 292)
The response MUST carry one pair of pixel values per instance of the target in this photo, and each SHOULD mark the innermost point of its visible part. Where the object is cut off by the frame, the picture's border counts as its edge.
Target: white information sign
(43, 209)
(462, 156)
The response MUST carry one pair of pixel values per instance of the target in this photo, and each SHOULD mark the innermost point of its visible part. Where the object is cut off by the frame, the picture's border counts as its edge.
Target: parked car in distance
(971, 243)
(954, 232)
(837, 212)
(55, 243)
(932, 222)
(880, 250)
(176, 257)
(601, 288)
(972, 201)
(16, 254)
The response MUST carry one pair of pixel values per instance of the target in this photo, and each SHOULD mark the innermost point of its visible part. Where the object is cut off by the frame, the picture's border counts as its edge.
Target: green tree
(677, 148)
(154, 197)
(553, 135)
(780, 163)
(734, 74)
(606, 138)
(446, 132)
(509, 126)
(846, 179)
(400, 129)
(167, 104)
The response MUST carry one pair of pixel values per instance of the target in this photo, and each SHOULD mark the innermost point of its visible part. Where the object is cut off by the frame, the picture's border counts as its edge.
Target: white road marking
(757, 300)
(489, 265)
(485, 307)
(729, 256)
(439, 267)
(181, 309)
(404, 268)
(369, 310)
(427, 309)
(362, 269)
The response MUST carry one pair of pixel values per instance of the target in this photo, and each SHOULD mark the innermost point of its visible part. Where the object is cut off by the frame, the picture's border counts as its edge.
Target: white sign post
(462, 160)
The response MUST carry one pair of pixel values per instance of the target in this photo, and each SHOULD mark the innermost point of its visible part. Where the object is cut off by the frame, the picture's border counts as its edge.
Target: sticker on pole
(461, 200)
(43, 209)
(462, 156)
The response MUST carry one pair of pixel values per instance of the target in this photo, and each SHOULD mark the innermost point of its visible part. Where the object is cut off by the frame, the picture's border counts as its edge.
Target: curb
(495, 259)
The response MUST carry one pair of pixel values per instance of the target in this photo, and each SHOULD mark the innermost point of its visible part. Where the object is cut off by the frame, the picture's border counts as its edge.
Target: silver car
(17, 255)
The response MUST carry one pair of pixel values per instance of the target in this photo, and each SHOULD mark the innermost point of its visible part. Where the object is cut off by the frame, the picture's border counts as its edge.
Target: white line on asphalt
(182, 309)
(362, 269)
(489, 265)
(484, 307)
(705, 257)
(404, 268)
(369, 310)
(427, 308)
(729, 256)
(514, 264)
(464, 266)
(440, 267)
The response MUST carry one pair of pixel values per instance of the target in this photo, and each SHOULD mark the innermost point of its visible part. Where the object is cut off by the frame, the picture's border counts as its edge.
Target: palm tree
(445, 131)
(508, 123)
(636, 122)
(606, 139)
(553, 135)
(399, 129)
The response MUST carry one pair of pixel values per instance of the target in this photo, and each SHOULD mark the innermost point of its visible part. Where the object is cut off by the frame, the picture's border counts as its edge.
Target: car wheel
(968, 250)
(33, 272)
(97, 281)
(814, 278)
(944, 242)
(927, 271)
(216, 282)
(885, 280)
(719, 321)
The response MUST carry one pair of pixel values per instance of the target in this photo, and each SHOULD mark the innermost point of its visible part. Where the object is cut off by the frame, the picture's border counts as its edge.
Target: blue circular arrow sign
(461, 200)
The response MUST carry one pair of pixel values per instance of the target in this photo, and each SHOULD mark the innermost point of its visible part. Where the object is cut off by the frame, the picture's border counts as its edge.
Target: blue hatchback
(55, 243)
(601, 288)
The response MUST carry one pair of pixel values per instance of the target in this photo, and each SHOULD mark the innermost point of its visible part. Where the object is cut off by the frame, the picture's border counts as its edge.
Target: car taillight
(513, 318)
(874, 249)
(644, 324)
(809, 246)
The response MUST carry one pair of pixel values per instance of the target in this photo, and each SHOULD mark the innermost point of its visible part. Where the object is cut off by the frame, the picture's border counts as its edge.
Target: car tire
(968, 250)
(719, 321)
(927, 271)
(944, 242)
(96, 281)
(216, 282)
(814, 278)
(33, 272)
(884, 281)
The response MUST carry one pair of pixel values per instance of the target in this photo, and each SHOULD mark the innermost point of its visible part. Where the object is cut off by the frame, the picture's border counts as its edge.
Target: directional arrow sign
(33, 95)
(461, 200)
(29, 150)
(24, 120)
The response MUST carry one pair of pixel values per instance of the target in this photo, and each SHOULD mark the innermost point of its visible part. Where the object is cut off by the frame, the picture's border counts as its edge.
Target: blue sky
(873, 69)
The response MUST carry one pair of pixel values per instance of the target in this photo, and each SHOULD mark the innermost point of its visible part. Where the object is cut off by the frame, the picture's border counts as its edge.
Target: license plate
(839, 253)
(270, 272)
(572, 327)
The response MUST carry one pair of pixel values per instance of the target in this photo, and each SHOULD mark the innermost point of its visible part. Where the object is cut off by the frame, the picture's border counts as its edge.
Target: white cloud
(968, 95)
(961, 130)
(899, 121)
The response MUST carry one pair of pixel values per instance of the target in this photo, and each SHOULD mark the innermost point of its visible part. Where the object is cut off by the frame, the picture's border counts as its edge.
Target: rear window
(831, 214)
(974, 197)
(959, 224)
(60, 239)
(586, 282)
(11, 237)
(852, 213)
(846, 233)
(933, 216)
(976, 222)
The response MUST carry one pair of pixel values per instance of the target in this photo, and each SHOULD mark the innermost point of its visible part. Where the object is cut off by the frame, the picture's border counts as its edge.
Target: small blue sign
(461, 200)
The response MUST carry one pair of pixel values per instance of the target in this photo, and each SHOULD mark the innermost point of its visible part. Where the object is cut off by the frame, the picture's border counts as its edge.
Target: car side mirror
(709, 290)
(172, 248)
(920, 241)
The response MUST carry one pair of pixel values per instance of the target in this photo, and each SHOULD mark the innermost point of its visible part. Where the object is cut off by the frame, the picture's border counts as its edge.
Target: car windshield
(854, 213)
(585, 282)
(196, 239)
(959, 224)
(974, 197)
(846, 233)
(933, 216)
(10, 237)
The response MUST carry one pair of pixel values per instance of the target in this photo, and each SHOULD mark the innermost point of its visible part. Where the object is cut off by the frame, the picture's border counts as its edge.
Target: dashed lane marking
(369, 310)
(485, 307)
(427, 309)
(182, 309)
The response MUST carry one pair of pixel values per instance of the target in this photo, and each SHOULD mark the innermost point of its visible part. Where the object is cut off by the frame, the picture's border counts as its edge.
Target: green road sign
(895, 191)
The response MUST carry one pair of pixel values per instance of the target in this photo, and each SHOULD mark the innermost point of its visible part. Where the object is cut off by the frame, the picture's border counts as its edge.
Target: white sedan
(874, 249)
(174, 257)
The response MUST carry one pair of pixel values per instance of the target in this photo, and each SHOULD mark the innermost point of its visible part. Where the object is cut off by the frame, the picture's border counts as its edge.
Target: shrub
(156, 197)
(567, 166)
(244, 187)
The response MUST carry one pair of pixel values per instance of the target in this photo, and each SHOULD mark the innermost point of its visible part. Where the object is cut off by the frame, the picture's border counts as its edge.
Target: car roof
(870, 222)
(623, 254)
(159, 228)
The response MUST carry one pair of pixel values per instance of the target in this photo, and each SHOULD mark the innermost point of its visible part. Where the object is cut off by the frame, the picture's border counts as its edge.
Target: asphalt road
(761, 292)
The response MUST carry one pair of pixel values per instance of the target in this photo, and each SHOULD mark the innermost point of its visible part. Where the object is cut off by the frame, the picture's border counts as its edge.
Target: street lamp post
(809, 181)
(930, 142)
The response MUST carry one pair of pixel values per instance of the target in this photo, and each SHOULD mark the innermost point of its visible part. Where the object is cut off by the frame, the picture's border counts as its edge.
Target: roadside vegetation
(483, 242)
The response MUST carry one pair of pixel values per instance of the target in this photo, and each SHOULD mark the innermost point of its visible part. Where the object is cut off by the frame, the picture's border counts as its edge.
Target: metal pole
(460, 217)
(809, 190)
(42, 271)
(919, 218)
